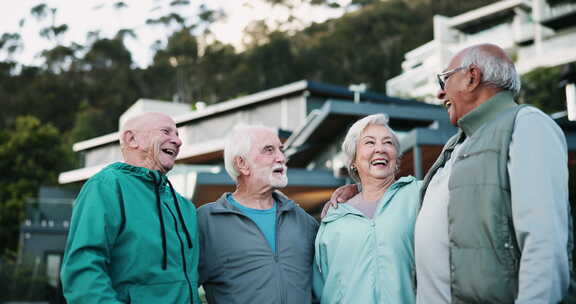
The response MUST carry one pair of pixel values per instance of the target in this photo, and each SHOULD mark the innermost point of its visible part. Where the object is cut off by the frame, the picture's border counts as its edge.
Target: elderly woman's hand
(340, 195)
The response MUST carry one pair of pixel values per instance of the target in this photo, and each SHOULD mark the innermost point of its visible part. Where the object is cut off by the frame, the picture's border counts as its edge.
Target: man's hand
(340, 195)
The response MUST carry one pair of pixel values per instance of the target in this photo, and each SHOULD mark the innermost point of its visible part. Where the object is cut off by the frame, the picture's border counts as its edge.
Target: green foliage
(22, 282)
(363, 46)
(40, 11)
(182, 46)
(31, 154)
(82, 89)
(89, 122)
(12, 42)
(541, 88)
(106, 54)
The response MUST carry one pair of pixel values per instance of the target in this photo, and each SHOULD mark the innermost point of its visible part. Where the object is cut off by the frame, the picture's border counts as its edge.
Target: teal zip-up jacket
(132, 239)
(363, 260)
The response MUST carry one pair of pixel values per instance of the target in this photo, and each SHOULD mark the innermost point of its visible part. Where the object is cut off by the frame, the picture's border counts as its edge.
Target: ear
(475, 78)
(129, 137)
(241, 165)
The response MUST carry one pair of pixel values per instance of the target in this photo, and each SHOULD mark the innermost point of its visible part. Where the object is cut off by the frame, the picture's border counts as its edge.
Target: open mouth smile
(170, 151)
(379, 162)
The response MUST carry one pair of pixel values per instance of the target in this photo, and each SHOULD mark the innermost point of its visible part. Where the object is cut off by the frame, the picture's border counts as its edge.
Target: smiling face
(464, 87)
(266, 161)
(376, 155)
(153, 142)
(454, 95)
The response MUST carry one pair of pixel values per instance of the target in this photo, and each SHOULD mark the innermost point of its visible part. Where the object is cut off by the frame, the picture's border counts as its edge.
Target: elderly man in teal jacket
(132, 238)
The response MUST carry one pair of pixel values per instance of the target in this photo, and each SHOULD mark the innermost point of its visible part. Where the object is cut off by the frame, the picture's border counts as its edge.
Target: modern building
(310, 117)
(535, 33)
(43, 237)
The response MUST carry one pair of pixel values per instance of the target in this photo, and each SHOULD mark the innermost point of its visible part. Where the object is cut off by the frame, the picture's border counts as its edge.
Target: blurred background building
(535, 33)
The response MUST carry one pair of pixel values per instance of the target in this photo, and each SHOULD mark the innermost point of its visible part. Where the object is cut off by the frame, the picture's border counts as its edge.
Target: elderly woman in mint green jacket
(365, 247)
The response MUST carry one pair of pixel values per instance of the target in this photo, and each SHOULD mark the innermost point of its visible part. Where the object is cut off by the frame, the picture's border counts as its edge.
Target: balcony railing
(49, 214)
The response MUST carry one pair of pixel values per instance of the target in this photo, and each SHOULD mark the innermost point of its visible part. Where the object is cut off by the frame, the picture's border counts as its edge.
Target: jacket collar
(223, 206)
(144, 173)
(345, 209)
(160, 182)
(486, 112)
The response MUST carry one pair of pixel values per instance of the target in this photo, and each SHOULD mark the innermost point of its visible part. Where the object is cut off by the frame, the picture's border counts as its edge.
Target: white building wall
(530, 43)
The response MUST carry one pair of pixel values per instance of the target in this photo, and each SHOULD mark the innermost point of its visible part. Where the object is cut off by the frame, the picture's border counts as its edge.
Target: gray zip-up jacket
(238, 266)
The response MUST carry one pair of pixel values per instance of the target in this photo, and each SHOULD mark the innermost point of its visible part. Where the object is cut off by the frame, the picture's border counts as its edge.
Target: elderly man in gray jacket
(256, 246)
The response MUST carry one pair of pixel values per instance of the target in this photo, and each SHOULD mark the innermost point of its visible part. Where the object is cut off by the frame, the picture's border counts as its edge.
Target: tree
(53, 31)
(31, 154)
(541, 88)
(10, 43)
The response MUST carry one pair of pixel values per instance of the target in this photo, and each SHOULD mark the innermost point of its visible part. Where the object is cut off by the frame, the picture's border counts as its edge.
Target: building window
(53, 261)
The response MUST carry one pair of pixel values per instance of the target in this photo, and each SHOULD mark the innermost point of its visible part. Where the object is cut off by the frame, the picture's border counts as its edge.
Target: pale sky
(83, 16)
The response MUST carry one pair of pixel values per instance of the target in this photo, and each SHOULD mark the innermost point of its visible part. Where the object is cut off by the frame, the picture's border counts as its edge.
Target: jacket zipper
(183, 254)
(277, 257)
(275, 253)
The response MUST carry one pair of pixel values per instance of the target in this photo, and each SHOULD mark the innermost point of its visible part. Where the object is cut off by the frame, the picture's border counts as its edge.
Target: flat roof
(480, 16)
(316, 88)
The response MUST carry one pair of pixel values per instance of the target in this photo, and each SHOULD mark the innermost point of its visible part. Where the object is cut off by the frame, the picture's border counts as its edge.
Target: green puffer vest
(484, 255)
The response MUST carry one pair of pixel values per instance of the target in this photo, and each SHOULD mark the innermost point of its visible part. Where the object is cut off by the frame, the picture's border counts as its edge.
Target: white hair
(239, 143)
(496, 71)
(351, 140)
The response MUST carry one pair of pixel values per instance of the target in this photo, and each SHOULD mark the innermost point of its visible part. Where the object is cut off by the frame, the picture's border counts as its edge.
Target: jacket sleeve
(204, 266)
(319, 268)
(94, 227)
(540, 209)
(195, 248)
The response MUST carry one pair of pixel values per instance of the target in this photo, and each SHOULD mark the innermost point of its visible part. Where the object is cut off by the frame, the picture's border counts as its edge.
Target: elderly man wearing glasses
(495, 225)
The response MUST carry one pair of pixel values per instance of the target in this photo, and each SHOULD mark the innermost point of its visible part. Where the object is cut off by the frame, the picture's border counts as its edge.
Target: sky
(83, 16)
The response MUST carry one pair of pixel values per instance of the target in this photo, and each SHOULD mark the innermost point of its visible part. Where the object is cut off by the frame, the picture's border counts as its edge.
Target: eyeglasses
(443, 77)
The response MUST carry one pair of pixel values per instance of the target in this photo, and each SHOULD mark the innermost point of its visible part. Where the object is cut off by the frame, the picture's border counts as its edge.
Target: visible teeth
(380, 162)
(169, 151)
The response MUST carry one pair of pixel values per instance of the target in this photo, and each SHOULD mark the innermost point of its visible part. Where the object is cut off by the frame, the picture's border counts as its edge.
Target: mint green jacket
(363, 260)
(132, 239)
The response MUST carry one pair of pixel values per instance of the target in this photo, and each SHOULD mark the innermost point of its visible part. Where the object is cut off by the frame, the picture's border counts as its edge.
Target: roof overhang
(426, 137)
(204, 184)
(336, 116)
(299, 87)
(487, 16)
(96, 142)
(561, 17)
(202, 152)
(79, 175)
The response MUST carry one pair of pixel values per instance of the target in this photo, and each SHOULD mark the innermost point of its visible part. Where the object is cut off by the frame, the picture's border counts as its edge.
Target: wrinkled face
(266, 160)
(159, 142)
(376, 156)
(453, 95)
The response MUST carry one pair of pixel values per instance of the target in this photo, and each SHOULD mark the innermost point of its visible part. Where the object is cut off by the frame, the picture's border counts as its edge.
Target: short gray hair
(351, 140)
(238, 143)
(496, 71)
